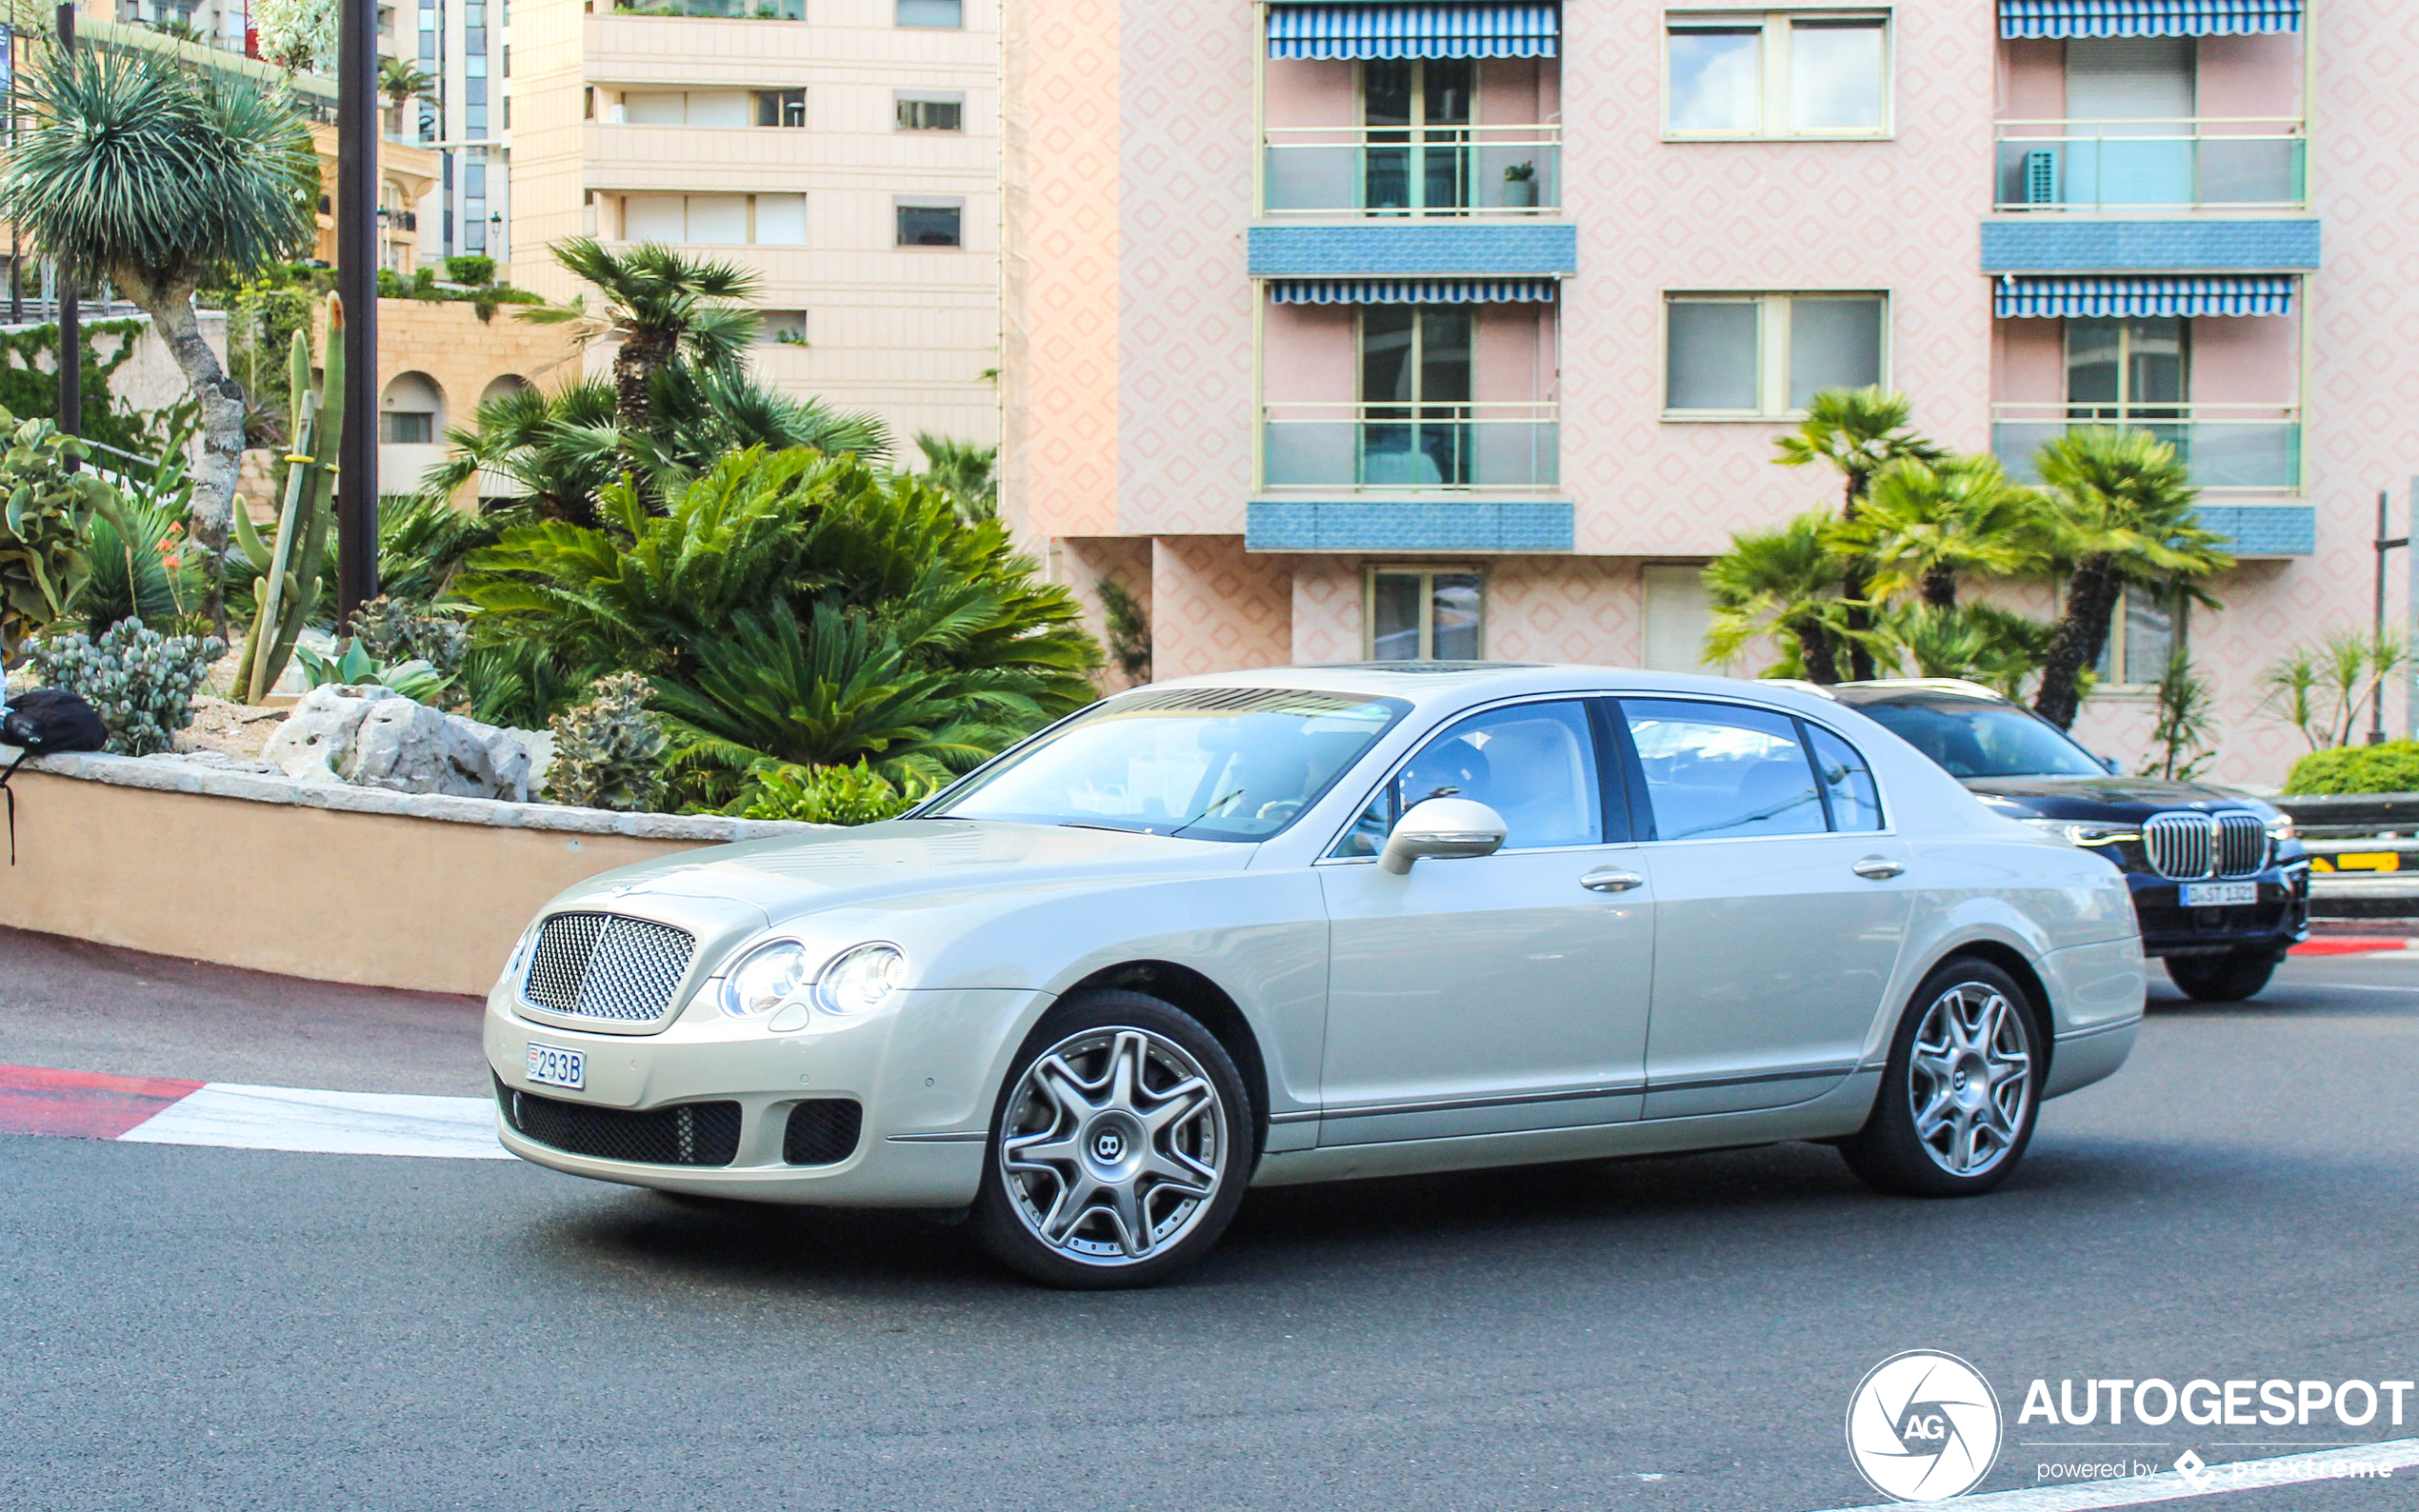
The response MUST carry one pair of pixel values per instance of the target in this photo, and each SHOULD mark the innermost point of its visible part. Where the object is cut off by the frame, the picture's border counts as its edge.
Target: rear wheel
(2230, 978)
(1121, 1147)
(1962, 1089)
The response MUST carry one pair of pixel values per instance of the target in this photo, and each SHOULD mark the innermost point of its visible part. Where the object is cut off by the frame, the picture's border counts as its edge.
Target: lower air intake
(690, 1134)
(823, 1132)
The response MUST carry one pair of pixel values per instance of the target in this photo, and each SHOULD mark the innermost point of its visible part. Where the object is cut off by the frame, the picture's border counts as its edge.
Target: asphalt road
(200, 1328)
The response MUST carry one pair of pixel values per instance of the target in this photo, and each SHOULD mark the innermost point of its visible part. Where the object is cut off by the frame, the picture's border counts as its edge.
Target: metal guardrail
(2344, 816)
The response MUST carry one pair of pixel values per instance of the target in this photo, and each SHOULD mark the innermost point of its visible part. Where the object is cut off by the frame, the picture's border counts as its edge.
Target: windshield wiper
(1114, 829)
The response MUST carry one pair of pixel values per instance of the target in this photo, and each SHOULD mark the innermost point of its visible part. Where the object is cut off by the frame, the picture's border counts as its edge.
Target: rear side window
(1718, 771)
(1848, 783)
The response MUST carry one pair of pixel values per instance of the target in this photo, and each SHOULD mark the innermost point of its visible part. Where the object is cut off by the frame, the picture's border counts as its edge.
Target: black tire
(2230, 978)
(1068, 1145)
(1901, 1148)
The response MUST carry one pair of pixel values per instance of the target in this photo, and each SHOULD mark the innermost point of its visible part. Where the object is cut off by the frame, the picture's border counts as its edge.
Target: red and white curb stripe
(231, 1115)
(2368, 1465)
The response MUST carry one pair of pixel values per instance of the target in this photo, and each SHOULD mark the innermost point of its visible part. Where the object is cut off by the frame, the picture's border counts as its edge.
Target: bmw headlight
(764, 979)
(2075, 832)
(2280, 828)
(859, 979)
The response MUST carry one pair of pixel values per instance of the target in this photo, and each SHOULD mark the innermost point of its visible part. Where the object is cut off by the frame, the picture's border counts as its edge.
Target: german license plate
(555, 1066)
(2219, 894)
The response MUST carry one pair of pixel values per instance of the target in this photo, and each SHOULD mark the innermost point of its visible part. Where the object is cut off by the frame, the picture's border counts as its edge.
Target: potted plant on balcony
(1520, 185)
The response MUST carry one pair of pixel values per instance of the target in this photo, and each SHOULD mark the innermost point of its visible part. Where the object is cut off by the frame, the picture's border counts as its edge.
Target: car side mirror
(2116, 767)
(1441, 827)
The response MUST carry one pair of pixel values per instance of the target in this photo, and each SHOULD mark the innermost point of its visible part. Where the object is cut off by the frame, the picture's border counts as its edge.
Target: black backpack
(40, 724)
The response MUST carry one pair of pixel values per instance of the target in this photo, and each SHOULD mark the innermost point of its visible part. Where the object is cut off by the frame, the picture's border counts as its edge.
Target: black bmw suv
(2219, 882)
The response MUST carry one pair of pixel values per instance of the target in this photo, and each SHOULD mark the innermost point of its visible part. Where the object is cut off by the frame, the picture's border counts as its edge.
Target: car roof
(1882, 689)
(1461, 683)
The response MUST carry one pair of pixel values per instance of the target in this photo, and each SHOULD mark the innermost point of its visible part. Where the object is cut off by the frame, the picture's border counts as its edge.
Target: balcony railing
(1430, 170)
(2236, 162)
(1410, 448)
(2225, 446)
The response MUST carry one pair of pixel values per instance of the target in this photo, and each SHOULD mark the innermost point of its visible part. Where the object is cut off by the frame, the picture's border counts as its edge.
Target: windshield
(1233, 764)
(1972, 738)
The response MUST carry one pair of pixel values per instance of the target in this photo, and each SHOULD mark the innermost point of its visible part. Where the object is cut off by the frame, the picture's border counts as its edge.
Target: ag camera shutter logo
(1923, 1426)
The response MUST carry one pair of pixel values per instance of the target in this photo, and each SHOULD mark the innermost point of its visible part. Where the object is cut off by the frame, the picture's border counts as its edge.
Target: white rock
(374, 737)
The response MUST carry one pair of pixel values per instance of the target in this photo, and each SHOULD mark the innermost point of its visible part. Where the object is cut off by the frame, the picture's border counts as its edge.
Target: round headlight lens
(859, 979)
(764, 979)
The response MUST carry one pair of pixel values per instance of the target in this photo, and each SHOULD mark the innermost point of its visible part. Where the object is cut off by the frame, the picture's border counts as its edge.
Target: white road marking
(2218, 1480)
(232, 1116)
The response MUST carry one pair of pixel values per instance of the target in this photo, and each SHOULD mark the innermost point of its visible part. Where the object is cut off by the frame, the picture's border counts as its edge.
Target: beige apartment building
(846, 151)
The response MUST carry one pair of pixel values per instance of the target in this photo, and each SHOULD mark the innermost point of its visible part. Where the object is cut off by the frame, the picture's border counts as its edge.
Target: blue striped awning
(1412, 291)
(2050, 298)
(2147, 18)
(1413, 30)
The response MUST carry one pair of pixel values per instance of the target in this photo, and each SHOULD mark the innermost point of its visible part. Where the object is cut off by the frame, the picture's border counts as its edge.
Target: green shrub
(609, 752)
(140, 683)
(470, 269)
(2393, 767)
(824, 795)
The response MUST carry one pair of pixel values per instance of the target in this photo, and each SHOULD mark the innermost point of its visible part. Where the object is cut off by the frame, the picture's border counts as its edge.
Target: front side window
(1718, 771)
(1533, 764)
(1425, 614)
(1748, 356)
(1230, 764)
(1776, 74)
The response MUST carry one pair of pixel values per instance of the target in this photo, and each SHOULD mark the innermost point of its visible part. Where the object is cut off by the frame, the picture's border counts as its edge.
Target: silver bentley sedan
(1311, 923)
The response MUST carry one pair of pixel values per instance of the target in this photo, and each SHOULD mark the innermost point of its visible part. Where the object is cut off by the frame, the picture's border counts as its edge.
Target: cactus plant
(391, 632)
(290, 570)
(139, 682)
(46, 517)
(609, 752)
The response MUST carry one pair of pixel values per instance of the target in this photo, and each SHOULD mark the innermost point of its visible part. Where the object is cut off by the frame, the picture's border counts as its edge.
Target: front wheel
(2228, 978)
(1120, 1149)
(1962, 1089)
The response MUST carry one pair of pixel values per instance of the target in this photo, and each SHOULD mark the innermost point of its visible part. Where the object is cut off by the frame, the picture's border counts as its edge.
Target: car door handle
(1612, 879)
(1877, 869)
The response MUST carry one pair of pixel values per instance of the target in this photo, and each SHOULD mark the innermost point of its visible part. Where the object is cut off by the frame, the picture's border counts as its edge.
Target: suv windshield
(1233, 764)
(1972, 736)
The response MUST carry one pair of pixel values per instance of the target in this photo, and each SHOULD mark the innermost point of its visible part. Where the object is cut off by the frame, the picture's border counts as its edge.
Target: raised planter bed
(182, 856)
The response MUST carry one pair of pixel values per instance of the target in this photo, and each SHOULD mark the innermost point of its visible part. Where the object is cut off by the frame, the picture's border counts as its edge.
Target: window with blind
(1729, 356)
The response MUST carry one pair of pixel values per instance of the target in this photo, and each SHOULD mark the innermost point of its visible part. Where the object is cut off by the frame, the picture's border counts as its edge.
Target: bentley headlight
(859, 979)
(764, 979)
(2075, 832)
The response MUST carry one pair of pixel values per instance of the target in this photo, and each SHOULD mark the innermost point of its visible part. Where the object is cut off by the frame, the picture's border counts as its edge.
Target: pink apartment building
(1388, 330)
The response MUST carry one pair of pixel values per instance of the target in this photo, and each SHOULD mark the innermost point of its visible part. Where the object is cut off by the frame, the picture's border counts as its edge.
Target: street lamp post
(357, 286)
(71, 317)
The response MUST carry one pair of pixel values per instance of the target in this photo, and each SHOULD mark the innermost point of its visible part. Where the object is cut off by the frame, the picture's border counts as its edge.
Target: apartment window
(1748, 356)
(695, 106)
(2128, 369)
(781, 327)
(1418, 614)
(587, 103)
(931, 112)
(1417, 112)
(765, 220)
(1776, 74)
(932, 12)
(781, 106)
(1679, 609)
(2142, 634)
(929, 223)
(1415, 395)
(406, 428)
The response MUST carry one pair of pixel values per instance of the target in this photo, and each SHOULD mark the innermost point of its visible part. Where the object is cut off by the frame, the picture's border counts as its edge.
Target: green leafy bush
(609, 752)
(469, 268)
(2393, 767)
(356, 667)
(140, 683)
(45, 515)
(824, 795)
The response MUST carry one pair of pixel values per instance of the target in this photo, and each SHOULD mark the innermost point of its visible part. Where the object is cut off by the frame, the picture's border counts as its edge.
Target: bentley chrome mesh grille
(603, 966)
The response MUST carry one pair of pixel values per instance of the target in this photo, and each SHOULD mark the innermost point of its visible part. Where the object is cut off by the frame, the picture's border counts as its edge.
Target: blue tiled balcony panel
(2264, 530)
(1366, 525)
(2046, 246)
(1401, 250)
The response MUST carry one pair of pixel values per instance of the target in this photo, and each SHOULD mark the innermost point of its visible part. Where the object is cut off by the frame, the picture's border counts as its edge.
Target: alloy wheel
(1971, 1078)
(1113, 1146)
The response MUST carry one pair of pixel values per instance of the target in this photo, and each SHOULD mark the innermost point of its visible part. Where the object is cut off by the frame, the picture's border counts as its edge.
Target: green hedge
(2393, 767)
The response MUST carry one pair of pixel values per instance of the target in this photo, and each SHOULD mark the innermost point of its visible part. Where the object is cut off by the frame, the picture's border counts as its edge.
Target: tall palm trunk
(170, 308)
(1940, 587)
(2092, 596)
(634, 366)
(1814, 651)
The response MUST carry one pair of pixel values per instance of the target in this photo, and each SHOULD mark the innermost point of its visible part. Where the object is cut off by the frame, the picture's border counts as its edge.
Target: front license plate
(555, 1066)
(2219, 894)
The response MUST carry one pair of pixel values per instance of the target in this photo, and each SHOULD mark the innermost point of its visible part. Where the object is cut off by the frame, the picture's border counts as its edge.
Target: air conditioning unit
(2041, 176)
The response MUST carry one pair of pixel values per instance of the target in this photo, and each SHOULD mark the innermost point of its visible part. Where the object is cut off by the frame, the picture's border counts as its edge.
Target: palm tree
(155, 176)
(2119, 510)
(1922, 525)
(963, 472)
(660, 305)
(1780, 583)
(399, 80)
(1856, 432)
(1975, 641)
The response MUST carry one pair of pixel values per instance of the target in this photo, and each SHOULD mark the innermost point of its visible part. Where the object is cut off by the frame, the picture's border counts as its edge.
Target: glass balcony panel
(2257, 452)
(1513, 170)
(1410, 448)
(2094, 165)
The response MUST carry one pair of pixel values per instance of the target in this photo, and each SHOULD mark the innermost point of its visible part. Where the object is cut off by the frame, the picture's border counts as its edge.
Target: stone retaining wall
(187, 856)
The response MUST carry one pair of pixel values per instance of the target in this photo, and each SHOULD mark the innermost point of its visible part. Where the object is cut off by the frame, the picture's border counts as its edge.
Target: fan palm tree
(963, 472)
(156, 177)
(660, 305)
(1976, 641)
(399, 79)
(2119, 510)
(1783, 583)
(1857, 432)
(1922, 525)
